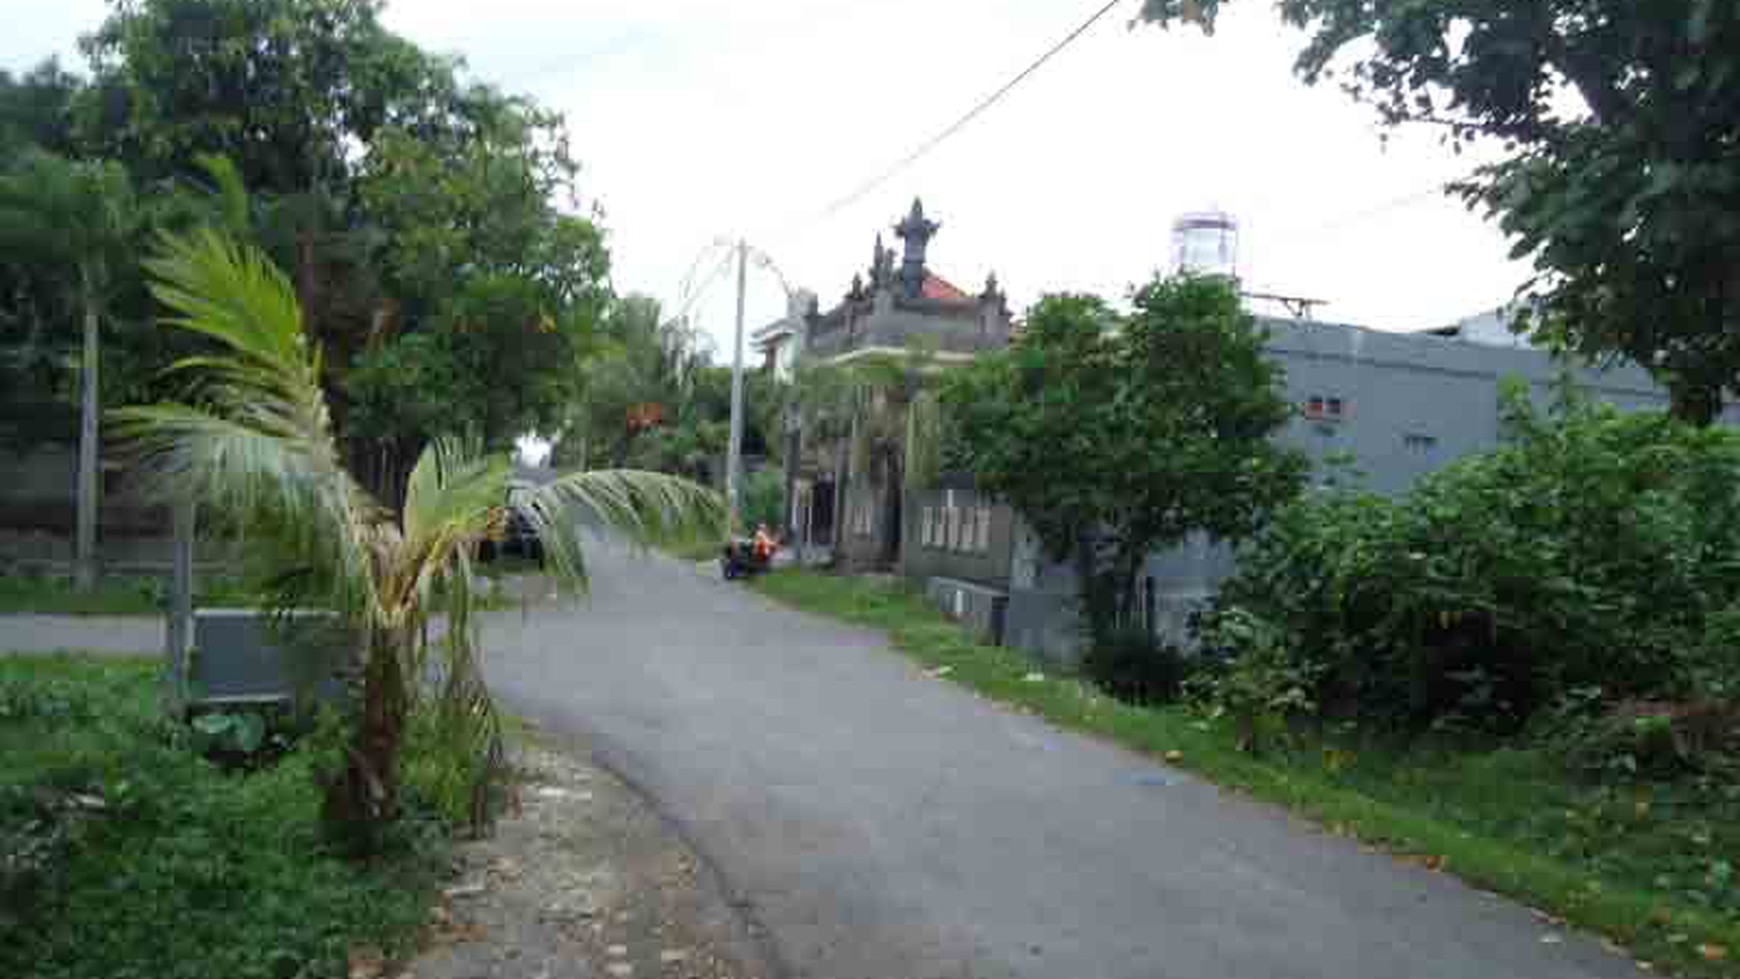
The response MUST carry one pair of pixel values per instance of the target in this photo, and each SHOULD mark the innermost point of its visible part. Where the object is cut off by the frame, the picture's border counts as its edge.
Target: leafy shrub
(1597, 549)
(137, 857)
(1262, 686)
(1134, 667)
(764, 499)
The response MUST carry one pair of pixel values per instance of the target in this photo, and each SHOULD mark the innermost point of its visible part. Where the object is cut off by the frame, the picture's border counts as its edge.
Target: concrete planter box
(249, 657)
(982, 610)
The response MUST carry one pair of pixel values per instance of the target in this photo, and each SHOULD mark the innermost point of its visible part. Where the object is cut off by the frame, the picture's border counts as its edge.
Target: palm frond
(258, 446)
(455, 498)
(644, 507)
(235, 295)
(229, 193)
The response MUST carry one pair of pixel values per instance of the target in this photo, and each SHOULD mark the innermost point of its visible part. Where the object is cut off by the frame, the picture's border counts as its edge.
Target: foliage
(124, 853)
(1619, 130)
(1597, 550)
(1116, 435)
(1262, 688)
(1647, 865)
(1136, 668)
(764, 499)
(257, 450)
(115, 594)
(431, 224)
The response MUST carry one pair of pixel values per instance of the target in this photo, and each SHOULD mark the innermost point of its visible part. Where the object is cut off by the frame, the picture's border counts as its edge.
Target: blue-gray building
(1396, 405)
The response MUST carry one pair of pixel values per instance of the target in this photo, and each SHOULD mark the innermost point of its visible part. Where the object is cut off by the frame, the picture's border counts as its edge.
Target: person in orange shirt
(763, 545)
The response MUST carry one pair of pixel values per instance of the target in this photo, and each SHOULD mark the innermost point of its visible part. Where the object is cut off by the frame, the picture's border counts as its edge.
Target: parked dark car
(520, 540)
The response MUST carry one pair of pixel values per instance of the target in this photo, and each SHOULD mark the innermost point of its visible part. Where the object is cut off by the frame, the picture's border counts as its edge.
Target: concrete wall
(956, 532)
(39, 511)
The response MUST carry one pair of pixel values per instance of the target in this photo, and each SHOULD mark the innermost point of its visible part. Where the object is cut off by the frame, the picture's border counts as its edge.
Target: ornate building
(902, 313)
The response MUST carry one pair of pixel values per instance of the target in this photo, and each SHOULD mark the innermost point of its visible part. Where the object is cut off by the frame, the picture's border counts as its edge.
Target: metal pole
(180, 631)
(89, 481)
(733, 457)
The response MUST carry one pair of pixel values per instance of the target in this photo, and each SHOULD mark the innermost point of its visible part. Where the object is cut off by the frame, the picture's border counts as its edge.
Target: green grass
(123, 853)
(1643, 866)
(113, 595)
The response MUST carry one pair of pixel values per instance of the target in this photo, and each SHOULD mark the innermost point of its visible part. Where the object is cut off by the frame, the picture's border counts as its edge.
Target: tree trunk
(842, 460)
(363, 796)
(86, 569)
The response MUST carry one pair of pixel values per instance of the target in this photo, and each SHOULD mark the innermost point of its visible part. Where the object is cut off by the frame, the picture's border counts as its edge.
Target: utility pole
(734, 455)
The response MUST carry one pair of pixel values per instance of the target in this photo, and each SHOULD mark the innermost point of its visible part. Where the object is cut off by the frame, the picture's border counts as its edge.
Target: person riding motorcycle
(763, 544)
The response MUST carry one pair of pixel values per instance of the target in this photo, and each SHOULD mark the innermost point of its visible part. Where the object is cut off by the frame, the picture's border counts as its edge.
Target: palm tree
(882, 416)
(258, 450)
(82, 215)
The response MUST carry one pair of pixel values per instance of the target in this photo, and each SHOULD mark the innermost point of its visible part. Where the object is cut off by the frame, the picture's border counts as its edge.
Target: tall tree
(1620, 123)
(429, 222)
(257, 450)
(1114, 436)
(84, 216)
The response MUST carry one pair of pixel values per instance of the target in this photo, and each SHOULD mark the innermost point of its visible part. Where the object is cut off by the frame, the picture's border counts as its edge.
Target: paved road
(82, 633)
(880, 824)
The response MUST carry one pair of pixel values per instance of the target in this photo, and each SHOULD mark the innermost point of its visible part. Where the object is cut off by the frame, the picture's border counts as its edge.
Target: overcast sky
(697, 119)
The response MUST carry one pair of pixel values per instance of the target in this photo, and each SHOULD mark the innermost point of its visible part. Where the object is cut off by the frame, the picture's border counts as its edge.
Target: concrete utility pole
(89, 485)
(734, 455)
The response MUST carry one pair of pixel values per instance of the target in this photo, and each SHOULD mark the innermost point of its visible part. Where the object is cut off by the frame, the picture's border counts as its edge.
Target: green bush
(1134, 667)
(764, 499)
(124, 853)
(1596, 550)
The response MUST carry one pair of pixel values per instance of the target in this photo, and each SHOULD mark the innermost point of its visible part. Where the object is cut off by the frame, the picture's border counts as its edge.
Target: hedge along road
(880, 824)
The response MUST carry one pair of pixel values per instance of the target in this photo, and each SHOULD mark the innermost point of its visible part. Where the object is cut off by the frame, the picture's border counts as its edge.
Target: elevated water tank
(1206, 243)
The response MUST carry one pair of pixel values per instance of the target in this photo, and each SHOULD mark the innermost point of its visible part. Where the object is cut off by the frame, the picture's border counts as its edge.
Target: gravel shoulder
(582, 878)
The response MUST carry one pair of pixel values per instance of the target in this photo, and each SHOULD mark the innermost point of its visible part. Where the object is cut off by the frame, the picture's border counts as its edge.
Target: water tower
(1206, 243)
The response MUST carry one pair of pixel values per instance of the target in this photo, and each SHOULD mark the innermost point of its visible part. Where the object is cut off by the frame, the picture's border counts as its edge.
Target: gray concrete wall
(38, 513)
(982, 610)
(942, 536)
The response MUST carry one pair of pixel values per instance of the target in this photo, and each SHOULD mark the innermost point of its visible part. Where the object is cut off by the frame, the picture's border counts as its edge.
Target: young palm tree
(255, 446)
(83, 215)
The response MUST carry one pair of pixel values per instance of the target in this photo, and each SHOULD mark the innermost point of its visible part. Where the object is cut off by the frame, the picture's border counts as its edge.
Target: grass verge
(124, 853)
(1648, 867)
(705, 547)
(113, 594)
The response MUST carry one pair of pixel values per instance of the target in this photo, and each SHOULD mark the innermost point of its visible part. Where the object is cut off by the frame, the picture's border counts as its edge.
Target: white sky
(697, 119)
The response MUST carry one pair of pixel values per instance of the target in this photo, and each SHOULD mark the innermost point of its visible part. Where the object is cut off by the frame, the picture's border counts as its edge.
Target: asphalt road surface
(877, 824)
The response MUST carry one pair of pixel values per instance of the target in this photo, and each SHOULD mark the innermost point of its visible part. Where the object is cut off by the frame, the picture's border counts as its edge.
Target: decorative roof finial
(916, 232)
(881, 264)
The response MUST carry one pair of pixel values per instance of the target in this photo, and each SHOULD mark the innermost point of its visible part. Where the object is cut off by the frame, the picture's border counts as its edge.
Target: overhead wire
(978, 109)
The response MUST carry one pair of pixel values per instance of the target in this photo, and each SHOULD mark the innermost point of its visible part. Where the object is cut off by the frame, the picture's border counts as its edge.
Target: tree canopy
(1620, 174)
(432, 226)
(1114, 435)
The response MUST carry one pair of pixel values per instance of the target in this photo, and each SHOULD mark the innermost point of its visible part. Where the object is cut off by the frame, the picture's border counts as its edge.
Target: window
(984, 530)
(1325, 407)
(1417, 442)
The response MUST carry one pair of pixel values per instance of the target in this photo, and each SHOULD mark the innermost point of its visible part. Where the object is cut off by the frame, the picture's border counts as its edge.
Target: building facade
(1393, 406)
(899, 309)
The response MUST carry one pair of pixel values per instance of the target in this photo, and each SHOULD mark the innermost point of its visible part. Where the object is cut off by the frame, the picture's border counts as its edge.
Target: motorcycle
(739, 560)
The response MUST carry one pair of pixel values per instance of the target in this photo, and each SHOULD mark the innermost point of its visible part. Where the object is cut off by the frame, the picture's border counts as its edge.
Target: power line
(961, 123)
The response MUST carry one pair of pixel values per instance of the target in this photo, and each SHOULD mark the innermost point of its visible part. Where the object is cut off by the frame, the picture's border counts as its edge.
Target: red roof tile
(937, 287)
